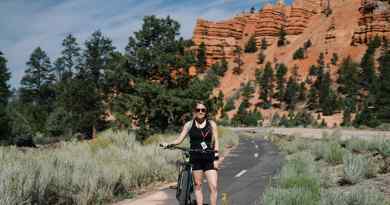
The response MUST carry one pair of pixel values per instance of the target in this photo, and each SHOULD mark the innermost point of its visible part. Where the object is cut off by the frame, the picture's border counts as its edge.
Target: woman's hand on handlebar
(166, 145)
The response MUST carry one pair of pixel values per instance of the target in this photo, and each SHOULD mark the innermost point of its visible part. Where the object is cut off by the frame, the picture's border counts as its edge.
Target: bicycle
(185, 181)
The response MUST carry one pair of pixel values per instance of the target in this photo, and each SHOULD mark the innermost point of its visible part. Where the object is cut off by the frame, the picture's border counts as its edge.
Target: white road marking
(240, 173)
(256, 146)
(256, 155)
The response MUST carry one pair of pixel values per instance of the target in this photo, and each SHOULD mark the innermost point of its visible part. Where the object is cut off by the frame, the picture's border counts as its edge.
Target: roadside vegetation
(331, 171)
(111, 167)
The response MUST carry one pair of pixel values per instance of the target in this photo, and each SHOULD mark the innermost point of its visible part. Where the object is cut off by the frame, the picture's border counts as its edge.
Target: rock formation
(374, 20)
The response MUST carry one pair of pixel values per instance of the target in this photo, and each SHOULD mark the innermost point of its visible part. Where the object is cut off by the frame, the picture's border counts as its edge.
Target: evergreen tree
(307, 44)
(312, 98)
(253, 10)
(37, 91)
(291, 96)
(59, 68)
(201, 56)
(38, 76)
(238, 61)
(281, 71)
(264, 44)
(266, 86)
(299, 54)
(251, 46)
(321, 61)
(97, 57)
(327, 97)
(229, 105)
(154, 49)
(70, 54)
(366, 116)
(5, 93)
(261, 57)
(302, 92)
(383, 98)
(368, 77)
(282, 37)
(334, 59)
(349, 83)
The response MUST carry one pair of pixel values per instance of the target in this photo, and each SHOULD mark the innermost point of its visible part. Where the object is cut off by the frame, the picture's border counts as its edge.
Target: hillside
(349, 25)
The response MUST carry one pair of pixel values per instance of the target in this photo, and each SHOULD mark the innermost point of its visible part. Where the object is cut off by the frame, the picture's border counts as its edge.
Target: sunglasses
(200, 109)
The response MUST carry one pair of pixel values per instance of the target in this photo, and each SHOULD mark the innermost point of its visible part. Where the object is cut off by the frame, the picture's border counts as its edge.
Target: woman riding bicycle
(203, 135)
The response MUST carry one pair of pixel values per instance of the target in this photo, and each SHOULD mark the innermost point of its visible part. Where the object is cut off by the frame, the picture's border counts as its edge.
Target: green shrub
(297, 183)
(363, 196)
(357, 196)
(333, 198)
(292, 196)
(357, 145)
(384, 147)
(355, 168)
(299, 54)
(334, 153)
(295, 146)
(251, 46)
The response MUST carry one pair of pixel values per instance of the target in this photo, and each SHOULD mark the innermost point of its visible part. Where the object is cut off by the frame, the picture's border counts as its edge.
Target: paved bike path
(246, 172)
(243, 175)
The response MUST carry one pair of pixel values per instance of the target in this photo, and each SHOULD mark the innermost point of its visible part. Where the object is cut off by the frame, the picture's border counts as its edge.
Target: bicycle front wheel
(183, 186)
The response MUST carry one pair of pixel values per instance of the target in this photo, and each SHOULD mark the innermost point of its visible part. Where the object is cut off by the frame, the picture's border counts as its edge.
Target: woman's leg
(212, 179)
(198, 177)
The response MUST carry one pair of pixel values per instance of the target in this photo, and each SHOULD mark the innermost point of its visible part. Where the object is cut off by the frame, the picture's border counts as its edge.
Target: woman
(203, 134)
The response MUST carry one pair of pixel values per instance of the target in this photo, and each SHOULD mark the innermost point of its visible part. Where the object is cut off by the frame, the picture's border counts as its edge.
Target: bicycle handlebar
(187, 149)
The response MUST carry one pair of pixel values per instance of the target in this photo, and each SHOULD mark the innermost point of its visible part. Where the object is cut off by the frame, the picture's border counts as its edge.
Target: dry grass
(94, 172)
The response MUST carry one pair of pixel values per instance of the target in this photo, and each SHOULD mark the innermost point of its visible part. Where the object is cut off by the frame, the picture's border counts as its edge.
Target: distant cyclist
(203, 134)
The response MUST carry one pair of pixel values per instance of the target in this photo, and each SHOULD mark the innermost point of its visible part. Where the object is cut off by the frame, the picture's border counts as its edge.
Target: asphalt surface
(246, 172)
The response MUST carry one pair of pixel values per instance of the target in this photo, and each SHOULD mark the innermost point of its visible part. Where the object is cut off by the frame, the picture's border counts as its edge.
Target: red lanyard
(204, 135)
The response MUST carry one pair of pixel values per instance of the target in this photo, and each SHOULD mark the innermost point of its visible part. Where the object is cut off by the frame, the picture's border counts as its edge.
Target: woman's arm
(183, 134)
(215, 135)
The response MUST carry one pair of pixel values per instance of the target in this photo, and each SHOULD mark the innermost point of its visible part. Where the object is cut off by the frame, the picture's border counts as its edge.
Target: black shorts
(202, 164)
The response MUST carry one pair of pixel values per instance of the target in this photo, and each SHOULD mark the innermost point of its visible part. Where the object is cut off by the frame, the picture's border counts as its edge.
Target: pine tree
(59, 68)
(299, 54)
(266, 86)
(253, 10)
(327, 97)
(349, 83)
(264, 44)
(38, 75)
(383, 98)
(366, 116)
(201, 56)
(312, 101)
(334, 59)
(321, 61)
(302, 91)
(96, 60)
(5, 93)
(251, 46)
(291, 96)
(37, 91)
(238, 61)
(281, 71)
(261, 57)
(70, 54)
(282, 37)
(307, 44)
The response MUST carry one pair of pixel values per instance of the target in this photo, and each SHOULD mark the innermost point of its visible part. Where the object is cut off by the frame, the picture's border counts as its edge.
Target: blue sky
(27, 24)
